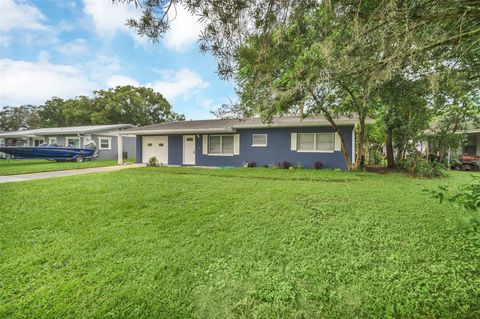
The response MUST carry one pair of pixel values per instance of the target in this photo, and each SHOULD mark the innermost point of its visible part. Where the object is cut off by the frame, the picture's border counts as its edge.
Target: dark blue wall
(138, 149)
(175, 149)
(277, 150)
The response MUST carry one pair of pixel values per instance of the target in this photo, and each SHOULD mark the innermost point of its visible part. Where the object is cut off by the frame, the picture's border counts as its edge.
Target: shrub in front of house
(284, 164)
(318, 165)
(424, 168)
(152, 161)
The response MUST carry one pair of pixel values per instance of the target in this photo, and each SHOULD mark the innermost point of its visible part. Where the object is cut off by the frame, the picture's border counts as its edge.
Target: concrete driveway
(71, 172)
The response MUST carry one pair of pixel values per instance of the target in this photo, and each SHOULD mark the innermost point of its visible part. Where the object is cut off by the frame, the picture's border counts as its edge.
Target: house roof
(230, 125)
(470, 128)
(65, 130)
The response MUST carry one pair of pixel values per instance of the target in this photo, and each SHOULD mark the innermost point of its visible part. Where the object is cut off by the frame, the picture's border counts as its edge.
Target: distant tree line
(123, 104)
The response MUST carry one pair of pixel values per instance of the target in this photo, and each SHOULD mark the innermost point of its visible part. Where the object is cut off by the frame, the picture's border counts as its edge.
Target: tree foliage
(18, 118)
(331, 57)
(123, 104)
(467, 196)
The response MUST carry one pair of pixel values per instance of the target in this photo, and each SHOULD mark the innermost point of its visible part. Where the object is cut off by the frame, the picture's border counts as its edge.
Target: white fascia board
(18, 135)
(300, 124)
(190, 131)
(109, 129)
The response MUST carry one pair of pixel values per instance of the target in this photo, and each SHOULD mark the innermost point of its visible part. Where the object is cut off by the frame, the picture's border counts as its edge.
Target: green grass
(36, 166)
(238, 243)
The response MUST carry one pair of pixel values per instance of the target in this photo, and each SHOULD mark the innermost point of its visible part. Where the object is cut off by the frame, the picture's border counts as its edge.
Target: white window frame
(315, 143)
(73, 138)
(109, 139)
(38, 139)
(260, 145)
(52, 140)
(221, 145)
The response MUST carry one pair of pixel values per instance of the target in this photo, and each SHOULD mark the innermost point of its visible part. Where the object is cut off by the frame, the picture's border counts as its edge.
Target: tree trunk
(359, 161)
(342, 140)
(329, 118)
(399, 154)
(389, 146)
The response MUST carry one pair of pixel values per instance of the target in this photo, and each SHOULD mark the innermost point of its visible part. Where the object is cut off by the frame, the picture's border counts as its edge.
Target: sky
(67, 48)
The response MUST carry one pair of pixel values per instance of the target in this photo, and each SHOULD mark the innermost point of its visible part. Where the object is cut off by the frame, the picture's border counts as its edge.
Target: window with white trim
(220, 144)
(52, 140)
(316, 142)
(259, 140)
(72, 141)
(105, 143)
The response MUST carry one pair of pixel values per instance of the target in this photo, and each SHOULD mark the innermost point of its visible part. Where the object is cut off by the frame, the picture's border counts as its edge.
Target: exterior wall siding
(112, 153)
(277, 149)
(138, 149)
(175, 149)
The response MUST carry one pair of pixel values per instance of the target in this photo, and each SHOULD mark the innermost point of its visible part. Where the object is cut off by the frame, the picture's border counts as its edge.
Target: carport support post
(120, 148)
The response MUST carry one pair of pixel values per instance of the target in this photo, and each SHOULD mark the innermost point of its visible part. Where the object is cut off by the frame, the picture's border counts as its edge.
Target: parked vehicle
(468, 163)
(52, 152)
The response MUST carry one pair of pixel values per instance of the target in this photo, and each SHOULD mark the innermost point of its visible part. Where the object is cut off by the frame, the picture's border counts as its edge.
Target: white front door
(189, 149)
(155, 146)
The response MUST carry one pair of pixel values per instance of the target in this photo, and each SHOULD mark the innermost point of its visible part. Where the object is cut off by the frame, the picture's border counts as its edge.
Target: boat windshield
(48, 145)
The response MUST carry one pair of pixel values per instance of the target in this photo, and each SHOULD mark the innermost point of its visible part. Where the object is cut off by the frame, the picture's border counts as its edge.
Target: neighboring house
(233, 142)
(2, 143)
(105, 136)
(472, 146)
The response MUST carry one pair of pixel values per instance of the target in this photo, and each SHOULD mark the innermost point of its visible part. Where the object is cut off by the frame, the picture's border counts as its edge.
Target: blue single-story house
(235, 142)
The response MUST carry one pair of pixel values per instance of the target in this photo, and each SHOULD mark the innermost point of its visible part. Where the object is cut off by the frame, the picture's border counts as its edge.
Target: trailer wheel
(79, 159)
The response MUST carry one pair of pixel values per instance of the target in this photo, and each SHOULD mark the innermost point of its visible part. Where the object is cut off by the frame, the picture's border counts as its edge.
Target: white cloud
(20, 15)
(109, 18)
(120, 80)
(182, 83)
(23, 82)
(34, 82)
(75, 47)
(206, 103)
(102, 67)
(184, 30)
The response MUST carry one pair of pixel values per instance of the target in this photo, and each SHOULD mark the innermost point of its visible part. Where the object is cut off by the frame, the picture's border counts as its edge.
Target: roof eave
(179, 131)
(301, 124)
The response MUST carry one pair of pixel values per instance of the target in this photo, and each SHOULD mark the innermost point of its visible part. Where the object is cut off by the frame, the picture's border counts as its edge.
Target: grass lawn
(238, 243)
(35, 166)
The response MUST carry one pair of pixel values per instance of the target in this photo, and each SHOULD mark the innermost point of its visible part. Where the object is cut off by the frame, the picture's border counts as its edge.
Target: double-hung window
(105, 143)
(316, 142)
(259, 140)
(220, 144)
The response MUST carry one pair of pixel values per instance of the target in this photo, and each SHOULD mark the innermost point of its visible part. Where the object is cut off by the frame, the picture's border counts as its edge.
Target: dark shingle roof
(231, 124)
